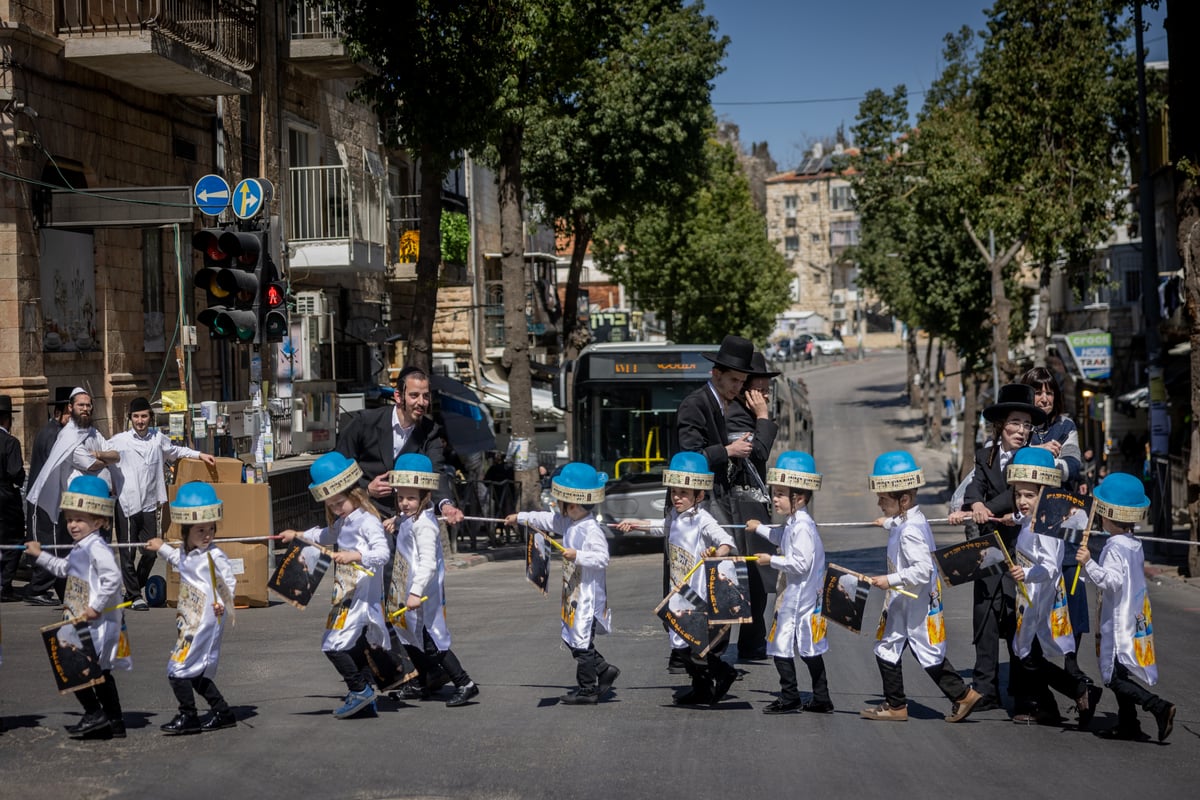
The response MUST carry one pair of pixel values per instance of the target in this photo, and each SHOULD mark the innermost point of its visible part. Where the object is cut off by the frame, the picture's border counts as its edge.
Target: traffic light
(230, 279)
(272, 320)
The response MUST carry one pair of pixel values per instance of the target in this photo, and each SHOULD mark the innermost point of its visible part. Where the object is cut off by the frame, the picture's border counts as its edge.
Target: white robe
(198, 645)
(1044, 616)
(94, 581)
(70, 457)
(918, 623)
(690, 536)
(357, 597)
(584, 598)
(1126, 624)
(419, 568)
(799, 628)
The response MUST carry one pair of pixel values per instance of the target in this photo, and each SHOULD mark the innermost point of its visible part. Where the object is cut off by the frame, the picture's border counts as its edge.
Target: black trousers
(707, 671)
(183, 689)
(136, 563)
(752, 636)
(351, 664)
(1041, 675)
(789, 689)
(47, 530)
(943, 675)
(995, 617)
(1130, 694)
(588, 663)
(102, 697)
(440, 659)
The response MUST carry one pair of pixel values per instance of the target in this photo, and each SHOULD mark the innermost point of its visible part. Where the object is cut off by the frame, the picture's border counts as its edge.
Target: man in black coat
(376, 437)
(40, 590)
(12, 521)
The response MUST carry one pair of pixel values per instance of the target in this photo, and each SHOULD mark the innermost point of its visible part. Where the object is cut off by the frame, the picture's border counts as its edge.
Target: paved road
(518, 742)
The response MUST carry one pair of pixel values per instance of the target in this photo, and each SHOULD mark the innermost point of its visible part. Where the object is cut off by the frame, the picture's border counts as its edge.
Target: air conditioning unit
(839, 297)
(839, 315)
(311, 304)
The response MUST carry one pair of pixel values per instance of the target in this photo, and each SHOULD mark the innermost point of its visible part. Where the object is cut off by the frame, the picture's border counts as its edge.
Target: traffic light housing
(272, 309)
(230, 278)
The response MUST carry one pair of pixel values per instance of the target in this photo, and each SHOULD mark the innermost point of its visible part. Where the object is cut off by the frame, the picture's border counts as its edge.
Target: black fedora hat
(736, 353)
(758, 367)
(6, 406)
(62, 396)
(1014, 397)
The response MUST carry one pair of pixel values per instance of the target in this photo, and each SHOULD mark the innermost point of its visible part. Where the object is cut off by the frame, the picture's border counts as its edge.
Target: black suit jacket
(368, 440)
(700, 428)
(990, 487)
(12, 476)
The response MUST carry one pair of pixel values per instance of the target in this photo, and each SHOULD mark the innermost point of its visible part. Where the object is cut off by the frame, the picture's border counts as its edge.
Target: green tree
(704, 266)
(633, 132)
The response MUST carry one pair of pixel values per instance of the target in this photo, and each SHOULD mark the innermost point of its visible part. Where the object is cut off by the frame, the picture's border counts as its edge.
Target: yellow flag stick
(1008, 558)
(546, 535)
(330, 553)
(867, 578)
(398, 613)
(1087, 531)
(81, 618)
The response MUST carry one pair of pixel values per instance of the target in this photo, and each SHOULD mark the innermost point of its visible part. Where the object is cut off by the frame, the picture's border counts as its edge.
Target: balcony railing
(336, 202)
(313, 19)
(225, 30)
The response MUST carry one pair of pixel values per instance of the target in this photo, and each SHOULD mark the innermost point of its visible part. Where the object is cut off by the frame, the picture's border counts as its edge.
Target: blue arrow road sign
(247, 198)
(211, 195)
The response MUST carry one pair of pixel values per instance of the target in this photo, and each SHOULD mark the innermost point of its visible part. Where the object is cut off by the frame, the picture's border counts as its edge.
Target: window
(791, 222)
(1132, 286)
(791, 244)
(841, 198)
(153, 319)
(843, 233)
(816, 238)
(791, 202)
(814, 197)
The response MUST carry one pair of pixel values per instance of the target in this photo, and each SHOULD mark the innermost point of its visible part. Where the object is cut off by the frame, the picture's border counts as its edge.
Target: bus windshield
(627, 428)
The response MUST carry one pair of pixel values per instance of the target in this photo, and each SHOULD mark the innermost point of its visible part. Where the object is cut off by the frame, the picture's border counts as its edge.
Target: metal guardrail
(335, 202)
(226, 30)
(313, 19)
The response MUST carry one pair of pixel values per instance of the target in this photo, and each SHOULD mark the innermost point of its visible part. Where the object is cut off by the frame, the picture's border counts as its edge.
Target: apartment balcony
(337, 220)
(171, 47)
(315, 44)
(404, 241)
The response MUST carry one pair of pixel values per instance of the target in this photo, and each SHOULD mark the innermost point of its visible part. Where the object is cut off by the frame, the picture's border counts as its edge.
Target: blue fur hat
(413, 470)
(1122, 498)
(795, 469)
(1034, 465)
(196, 502)
(578, 483)
(332, 474)
(896, 471)
(688, 471)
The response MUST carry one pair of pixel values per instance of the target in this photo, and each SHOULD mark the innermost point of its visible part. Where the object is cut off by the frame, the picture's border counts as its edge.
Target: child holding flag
(692, 533)
(354, 529)
(419, 582)
(93, 592)
(1126, 625)
(206, 587)
(585, 561)
(1043, 620)
(906, 622)
(799, 628)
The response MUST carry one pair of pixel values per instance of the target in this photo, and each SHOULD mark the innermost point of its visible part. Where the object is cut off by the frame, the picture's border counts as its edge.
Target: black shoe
(183, 724)
(987, 703)
(1125, 733)
(583, 697)
(462, 695)
(42, 600)
(91, 722)
(413, 690)
(818, 707)
(219, 720)
(677, 664)
(117, 726)
(436, 680)
(607, 678)
(1086, 704)
(783, 707)
(753, 655)
(694, 697)
(9, 595)
(721, 685)
(1165, 717)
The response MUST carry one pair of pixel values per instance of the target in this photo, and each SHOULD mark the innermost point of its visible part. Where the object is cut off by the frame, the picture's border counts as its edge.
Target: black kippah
(139, 404)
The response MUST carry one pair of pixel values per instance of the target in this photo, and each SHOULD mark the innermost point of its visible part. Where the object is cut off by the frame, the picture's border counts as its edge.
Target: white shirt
(400, 435)
(138, 477)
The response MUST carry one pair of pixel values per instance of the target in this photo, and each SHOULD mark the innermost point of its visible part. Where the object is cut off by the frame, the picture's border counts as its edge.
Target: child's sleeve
(375, 555)
(715, 534)
(108, 584)
(772, 533)
(542, 520)
(1047, 562)
(594, 553)
(916, 556)
(224, 571)
(1108, 573)
(425, 537)
(170, 554)
(799, 562)
(53, 564)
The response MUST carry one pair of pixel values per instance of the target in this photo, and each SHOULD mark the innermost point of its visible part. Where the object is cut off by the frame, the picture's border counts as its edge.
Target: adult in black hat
(12, 521)
(988, 498)
(40, 590)
(751, 499)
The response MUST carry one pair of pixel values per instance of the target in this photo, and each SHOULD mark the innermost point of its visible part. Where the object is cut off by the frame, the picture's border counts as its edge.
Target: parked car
(827, 345)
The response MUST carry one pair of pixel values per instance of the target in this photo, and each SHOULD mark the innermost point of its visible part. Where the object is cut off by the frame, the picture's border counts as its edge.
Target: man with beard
(141, 490)
(78, 450)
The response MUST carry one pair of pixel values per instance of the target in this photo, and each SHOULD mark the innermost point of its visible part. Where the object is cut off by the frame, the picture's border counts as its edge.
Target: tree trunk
(1001, 317)
(926, 374)
(970, 419)
(429, 258)
(575, 336)
(1041, 331)
(912, 389)
(516, 328)
(939, 396)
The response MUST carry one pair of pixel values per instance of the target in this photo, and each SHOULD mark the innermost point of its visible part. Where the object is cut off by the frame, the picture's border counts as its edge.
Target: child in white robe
(206, 589)
(1126, 624)
(799, 628)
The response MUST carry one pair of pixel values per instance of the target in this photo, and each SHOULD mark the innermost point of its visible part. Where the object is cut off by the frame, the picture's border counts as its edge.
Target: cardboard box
(226, 470)
(249, 562)
(246, 510)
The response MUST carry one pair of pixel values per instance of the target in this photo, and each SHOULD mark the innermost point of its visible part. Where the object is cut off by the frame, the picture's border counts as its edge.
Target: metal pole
(1159, 421)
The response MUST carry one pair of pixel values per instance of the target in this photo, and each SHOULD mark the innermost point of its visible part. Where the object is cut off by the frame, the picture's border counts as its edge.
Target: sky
(800, 50)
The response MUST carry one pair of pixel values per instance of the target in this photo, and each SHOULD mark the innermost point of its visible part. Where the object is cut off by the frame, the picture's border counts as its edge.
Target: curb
(475, 559)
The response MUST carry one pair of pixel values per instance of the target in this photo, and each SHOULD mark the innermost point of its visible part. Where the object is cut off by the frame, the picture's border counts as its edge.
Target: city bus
(625, 400)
